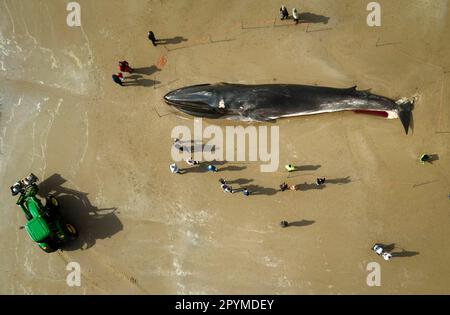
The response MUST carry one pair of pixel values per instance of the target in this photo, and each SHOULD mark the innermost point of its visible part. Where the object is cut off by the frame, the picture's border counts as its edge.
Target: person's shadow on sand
(173, 41)
(146, 70)
(259, 190)
(308, 17)
(338, 181)
(92, 223)
(136, 80)
(202, 167)
(302, 223)
(305, 186)
(198, 146)
(239, 181)
(305, 168)
(231, 168)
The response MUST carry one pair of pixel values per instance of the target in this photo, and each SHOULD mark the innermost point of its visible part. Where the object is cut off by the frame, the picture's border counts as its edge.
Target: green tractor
(44, 224)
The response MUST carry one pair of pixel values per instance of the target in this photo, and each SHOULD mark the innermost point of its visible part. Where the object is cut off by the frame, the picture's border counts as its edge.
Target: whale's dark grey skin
(271, 101)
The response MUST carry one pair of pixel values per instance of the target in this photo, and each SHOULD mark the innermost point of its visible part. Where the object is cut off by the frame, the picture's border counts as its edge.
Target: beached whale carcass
(272, 101)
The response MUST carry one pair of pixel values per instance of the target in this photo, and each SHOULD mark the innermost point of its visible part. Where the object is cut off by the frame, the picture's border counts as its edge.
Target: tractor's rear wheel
(53, 201)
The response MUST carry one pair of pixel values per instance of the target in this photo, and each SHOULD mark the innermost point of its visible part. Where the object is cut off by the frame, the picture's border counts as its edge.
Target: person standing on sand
(177, 144)
(174, 169)
(125, 67)
(226, 188)
(425, 158)
(289, 168)
(246, 192)
(284, 14)
(212, 168)
(285, 186)
(284, 224)
(295, 15)
(191, 162)
(118, 78)
(151, 36)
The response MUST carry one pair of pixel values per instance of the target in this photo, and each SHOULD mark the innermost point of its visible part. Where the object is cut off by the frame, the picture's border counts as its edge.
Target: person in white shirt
(295, 15)
(174, 169)
(177, 144)
(191, 162)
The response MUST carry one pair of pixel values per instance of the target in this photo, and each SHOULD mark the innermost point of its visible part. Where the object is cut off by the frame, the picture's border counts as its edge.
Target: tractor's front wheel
(71, 230)
(48, 248)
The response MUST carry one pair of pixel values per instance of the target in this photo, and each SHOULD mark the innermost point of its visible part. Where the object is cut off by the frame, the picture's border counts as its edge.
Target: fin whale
(272, 101)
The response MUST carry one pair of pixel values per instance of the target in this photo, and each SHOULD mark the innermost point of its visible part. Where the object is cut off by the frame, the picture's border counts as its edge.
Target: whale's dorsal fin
(351, 89)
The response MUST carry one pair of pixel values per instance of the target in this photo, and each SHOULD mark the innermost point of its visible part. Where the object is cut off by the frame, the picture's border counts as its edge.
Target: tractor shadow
(92, 223)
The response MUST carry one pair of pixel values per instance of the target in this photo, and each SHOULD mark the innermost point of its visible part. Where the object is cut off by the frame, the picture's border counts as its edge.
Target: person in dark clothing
(320, 181)
(117, 79)
(281, 14)
(246, 192)
(284, 14)
(425, 158)
(284, 224)
(284, 186)
(226, 188)
(151, 36)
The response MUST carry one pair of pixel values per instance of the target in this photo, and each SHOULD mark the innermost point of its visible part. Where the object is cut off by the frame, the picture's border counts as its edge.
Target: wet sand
(105, 149)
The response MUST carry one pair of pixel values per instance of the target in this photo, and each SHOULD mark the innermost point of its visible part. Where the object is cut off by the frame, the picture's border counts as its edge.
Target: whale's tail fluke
(405, 107)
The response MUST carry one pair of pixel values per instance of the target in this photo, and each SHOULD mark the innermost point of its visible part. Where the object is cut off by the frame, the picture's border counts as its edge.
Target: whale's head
(197, 100)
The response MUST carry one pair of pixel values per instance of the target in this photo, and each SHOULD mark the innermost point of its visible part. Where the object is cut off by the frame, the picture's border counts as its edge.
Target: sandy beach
(105, 150)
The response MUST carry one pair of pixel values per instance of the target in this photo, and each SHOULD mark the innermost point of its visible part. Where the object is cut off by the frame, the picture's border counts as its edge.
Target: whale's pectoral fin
(405, 117)
(405, 107)
(257, 117)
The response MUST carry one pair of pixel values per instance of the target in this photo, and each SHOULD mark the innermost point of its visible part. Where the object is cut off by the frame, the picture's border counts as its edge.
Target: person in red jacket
(125, 67)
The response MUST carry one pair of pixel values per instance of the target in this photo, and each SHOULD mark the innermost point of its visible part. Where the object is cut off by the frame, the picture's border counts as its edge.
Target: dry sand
(105, 150)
